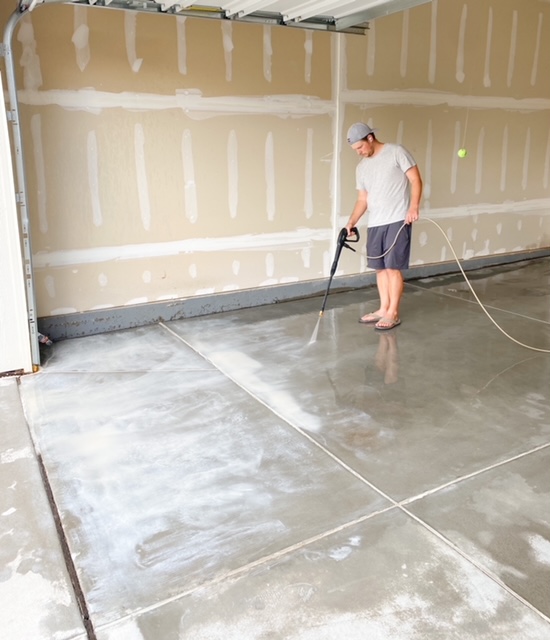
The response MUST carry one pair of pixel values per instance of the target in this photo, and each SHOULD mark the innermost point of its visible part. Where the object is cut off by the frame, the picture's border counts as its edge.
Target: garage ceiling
(349, 16)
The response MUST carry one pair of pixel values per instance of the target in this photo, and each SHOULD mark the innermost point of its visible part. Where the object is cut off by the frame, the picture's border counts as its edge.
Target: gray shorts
(380, 239)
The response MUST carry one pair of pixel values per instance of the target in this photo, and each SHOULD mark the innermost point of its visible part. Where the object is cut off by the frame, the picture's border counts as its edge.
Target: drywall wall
(172, 157)
(463, 74)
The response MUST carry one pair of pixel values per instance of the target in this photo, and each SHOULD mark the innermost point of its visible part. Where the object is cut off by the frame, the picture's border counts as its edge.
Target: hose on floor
(521, 344)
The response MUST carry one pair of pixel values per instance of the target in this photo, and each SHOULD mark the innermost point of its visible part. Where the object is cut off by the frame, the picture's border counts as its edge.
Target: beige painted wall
(171, 157)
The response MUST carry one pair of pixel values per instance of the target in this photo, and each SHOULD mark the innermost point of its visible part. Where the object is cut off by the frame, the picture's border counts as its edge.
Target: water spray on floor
(344, 239)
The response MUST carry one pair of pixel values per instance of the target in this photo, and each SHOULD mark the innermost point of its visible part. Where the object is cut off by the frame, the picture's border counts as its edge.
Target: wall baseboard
(75, 325)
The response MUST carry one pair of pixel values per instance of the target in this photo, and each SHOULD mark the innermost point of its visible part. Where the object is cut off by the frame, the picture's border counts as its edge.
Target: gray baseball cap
(359, 131)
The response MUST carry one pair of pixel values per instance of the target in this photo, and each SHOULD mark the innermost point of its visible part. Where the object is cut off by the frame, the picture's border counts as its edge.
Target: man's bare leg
(390, 296)
(383, 285)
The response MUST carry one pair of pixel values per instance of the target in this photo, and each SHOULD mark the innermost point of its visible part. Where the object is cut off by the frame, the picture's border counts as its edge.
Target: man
(389, 186)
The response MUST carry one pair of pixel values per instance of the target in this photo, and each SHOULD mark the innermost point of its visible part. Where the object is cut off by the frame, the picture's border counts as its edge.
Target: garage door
(329, 15)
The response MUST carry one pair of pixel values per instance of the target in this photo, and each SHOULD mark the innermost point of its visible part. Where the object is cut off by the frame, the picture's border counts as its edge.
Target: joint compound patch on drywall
(192, 102)
(375, 98)
(38, 152)
(206, 291)
(227, 40)
(428, 166)
(181, 37)
(371, 49)
(326, 262)
(504, 159)
(93, 178)
(479, 160)
(295, 240)
(536, 54)
(63, 311)
(269, 265)
(308, 47)
(130, 30)
(454, 165)
(306, 257)
(433, 44)
(134, 301)
(268, 52)
(281, 241)
(399, 134)
(233, 173)
(487, 68)
(460, 75)
(526, 154)
(513, 46)
(404, 45)
(308, 180)
(81, 37)
(270, 176)
(49, 284)
(190, 187)
(198, 107)
(546, 173)
(141, 177)
(32, 74)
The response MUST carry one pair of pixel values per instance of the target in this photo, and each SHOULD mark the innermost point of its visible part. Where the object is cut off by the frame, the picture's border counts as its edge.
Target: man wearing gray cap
(389, 186)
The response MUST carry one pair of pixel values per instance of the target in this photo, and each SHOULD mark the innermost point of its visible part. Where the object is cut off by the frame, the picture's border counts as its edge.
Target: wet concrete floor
(225, 477)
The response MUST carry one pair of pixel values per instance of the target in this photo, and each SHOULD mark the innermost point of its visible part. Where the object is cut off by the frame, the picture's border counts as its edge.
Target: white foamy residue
(247, 371)
(29, 594)
(540, 548)
(128, 630)
(15, 454)
(340, 553)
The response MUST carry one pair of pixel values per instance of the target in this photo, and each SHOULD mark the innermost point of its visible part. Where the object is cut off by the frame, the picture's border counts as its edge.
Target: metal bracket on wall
(20, 176)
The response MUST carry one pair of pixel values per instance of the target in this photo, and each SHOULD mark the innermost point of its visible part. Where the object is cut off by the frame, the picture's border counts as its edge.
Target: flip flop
(391, 324)
(372, 318)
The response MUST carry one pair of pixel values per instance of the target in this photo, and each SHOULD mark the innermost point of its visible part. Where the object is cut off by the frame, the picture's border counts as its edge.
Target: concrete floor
(222, 478)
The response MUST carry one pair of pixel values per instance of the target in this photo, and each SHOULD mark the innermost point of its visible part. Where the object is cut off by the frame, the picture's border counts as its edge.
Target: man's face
(364, 148)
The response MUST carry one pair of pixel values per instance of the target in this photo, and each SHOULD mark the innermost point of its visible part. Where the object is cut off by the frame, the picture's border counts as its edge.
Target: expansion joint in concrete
(69, 564)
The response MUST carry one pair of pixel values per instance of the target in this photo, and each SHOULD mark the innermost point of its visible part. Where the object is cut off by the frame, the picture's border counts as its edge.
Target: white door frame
(15, 339)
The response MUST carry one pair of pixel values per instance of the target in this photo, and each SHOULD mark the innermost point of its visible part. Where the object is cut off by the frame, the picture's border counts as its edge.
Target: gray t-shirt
(388, 189)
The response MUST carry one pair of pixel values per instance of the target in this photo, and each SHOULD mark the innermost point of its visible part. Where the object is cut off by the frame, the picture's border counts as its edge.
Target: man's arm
(359, 209)
(413, 176)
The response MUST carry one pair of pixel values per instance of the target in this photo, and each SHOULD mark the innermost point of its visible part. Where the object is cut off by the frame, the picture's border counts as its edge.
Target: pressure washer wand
(342, 242)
